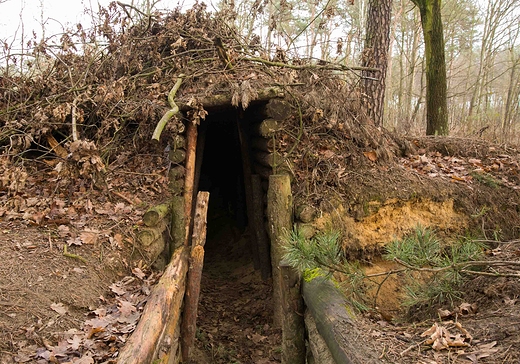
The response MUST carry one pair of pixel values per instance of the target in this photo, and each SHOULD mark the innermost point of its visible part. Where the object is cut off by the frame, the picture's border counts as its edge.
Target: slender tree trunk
(411, 77)
(375, 54)
(436, 90)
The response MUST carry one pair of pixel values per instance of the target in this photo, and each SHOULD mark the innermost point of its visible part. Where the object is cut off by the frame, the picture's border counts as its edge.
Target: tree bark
(375, 54)
(161, 312)
(436, 87)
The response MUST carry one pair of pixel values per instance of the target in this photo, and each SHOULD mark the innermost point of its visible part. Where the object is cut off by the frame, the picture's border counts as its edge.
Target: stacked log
(177, 172)
(153, 237)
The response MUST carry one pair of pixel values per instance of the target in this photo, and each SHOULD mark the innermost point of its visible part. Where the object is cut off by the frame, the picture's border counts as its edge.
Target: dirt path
(235, 310)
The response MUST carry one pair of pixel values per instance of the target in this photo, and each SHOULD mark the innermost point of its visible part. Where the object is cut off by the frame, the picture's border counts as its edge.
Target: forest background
(482, 47)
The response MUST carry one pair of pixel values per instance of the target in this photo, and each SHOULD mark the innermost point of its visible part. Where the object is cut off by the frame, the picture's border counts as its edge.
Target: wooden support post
(191, 154)
(279, 215)
(201, 143)
(288, 304)
(293, 327)
(258, 225)
(191, 301)
(161, 312)
(245, 150)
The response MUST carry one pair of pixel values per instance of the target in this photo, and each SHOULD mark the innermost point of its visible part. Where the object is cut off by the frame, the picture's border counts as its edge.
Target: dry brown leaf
(89, 237)
(117, 289)
(60, 308)
(372, 155)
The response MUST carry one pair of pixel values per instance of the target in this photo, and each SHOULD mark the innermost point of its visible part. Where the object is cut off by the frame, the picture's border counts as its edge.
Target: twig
(120, 195)
(411, 347)
(174, 109)
(329, 66)
(70, 255)
(74, 126)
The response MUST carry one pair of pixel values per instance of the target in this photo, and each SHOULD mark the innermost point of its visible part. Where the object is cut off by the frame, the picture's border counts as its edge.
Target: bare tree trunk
(375, 54)
(436, 90)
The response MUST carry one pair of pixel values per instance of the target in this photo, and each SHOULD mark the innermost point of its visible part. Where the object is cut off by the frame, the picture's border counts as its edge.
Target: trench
(234, 323)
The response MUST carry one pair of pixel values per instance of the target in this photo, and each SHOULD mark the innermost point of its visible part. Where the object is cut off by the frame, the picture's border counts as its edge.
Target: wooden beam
(286, 282)
(224, 100)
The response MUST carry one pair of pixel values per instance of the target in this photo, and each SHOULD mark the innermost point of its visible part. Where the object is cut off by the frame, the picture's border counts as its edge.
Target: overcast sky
(55, 14)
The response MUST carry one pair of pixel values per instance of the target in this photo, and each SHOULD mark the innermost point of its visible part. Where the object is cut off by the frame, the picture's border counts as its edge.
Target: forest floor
(73, 284)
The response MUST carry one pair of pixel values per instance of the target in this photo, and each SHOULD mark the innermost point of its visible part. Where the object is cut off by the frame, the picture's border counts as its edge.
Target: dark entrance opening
(223, 177)
(234, 321)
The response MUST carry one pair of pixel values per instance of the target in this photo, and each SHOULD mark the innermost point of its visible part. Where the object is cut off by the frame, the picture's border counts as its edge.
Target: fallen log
(162, 309)
(336, 326)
